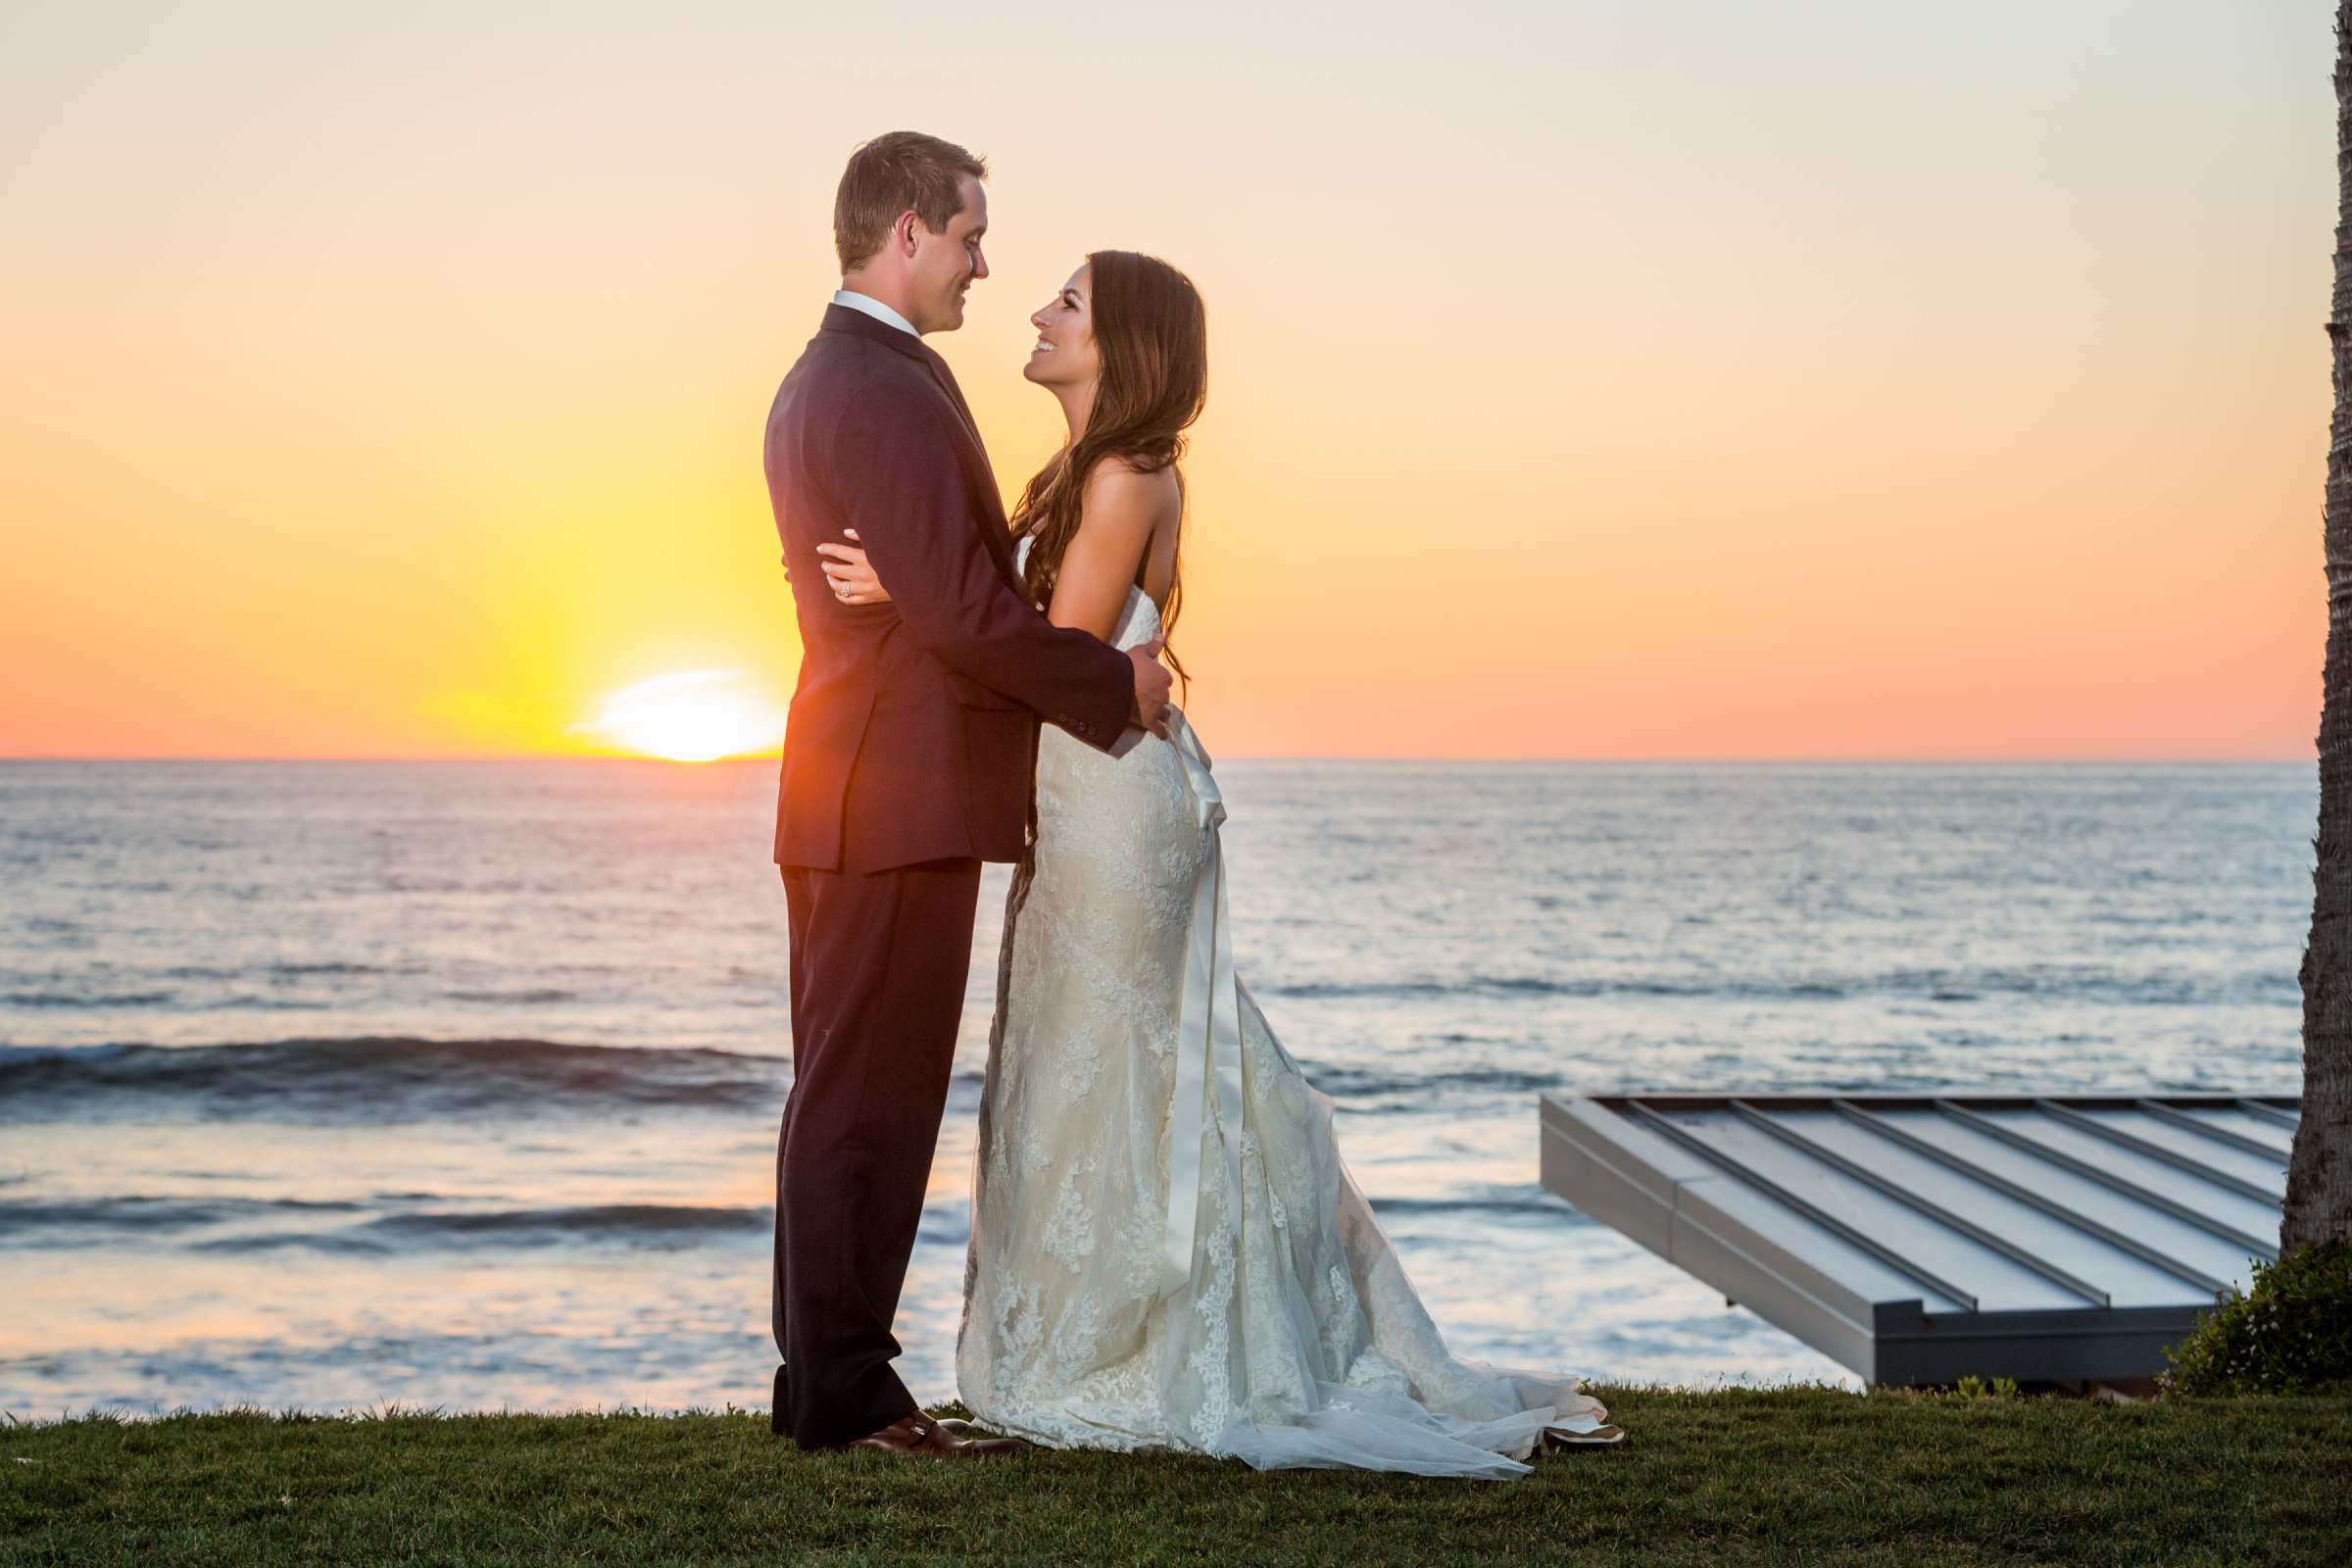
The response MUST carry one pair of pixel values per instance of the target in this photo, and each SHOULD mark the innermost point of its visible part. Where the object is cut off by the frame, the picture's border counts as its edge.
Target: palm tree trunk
(2318, 1177)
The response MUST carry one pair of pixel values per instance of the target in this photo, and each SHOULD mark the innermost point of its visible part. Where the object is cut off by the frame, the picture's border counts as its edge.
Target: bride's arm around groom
(948, 587)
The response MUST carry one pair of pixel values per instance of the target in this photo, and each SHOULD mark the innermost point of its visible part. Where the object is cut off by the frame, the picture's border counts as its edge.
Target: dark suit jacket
(914, 729)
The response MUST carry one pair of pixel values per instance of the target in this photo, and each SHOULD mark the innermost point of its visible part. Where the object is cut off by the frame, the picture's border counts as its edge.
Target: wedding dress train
(1166, 1251)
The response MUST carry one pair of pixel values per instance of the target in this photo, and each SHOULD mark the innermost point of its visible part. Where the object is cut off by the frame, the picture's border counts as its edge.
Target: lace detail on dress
(1069, 1235)
(1297, 1340)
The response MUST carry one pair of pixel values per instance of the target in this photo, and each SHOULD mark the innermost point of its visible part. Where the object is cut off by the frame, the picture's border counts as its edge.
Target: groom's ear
(907, 230)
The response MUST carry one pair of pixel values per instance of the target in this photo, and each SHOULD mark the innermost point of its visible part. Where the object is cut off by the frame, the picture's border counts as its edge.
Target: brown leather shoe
(918, 1434)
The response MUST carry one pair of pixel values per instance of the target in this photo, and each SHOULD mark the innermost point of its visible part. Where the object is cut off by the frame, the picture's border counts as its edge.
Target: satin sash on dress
(1209, 1029)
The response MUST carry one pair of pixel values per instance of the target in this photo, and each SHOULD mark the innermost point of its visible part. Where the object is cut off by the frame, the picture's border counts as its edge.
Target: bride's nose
(1037, 319)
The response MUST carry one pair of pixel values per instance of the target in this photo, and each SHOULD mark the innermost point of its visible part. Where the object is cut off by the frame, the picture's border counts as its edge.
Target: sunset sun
(695, 715)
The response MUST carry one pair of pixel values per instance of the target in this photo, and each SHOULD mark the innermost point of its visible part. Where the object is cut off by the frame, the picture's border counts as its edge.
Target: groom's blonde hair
(893, 171)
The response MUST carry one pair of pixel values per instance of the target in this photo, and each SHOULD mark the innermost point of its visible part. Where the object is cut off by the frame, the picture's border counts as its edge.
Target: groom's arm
(897, 479)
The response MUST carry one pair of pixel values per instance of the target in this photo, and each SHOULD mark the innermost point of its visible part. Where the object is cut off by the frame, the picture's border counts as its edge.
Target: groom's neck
(884, 291)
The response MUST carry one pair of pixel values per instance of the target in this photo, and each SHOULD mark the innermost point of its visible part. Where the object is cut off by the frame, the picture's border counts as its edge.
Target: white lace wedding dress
(1166, 1251)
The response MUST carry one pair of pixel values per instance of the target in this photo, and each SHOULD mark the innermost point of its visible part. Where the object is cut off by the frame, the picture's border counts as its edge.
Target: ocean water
(344, 1085)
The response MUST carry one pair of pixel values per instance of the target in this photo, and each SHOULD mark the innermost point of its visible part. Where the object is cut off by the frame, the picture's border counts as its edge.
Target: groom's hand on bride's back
(1151, 685)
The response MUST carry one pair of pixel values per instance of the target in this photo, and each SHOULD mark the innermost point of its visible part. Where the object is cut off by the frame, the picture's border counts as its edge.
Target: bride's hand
(854, 581)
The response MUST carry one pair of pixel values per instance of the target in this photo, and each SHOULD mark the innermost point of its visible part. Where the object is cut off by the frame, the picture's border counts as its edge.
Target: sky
(1589, 378)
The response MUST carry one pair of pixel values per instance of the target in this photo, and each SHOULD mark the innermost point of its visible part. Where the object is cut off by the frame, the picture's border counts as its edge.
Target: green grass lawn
(1778, 1476)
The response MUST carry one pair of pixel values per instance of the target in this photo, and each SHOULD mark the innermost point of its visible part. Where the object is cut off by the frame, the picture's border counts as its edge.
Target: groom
(908, 761)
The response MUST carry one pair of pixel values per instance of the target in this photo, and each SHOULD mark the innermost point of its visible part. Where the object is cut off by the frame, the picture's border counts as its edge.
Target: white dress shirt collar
(875, 308)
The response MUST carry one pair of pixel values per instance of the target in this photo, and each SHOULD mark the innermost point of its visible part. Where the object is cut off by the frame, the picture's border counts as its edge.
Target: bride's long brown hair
(1152, 336)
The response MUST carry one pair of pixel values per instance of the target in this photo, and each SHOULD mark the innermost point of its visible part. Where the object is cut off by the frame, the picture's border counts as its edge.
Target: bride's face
(1065, 355)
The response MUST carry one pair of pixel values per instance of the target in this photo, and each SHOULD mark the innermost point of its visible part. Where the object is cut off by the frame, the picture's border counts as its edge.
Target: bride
(1166, 1251)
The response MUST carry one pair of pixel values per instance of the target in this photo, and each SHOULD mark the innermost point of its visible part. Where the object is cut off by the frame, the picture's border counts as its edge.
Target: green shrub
(2290, 1334)
(1976, 1388)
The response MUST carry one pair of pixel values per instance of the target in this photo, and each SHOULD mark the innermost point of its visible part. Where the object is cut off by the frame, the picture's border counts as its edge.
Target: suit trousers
(878, 969)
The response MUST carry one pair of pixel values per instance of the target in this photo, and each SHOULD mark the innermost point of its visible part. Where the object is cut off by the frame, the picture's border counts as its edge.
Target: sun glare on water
(696, 716)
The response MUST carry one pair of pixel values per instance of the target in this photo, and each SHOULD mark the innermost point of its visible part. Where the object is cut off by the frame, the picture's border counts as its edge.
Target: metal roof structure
(1920, 1239)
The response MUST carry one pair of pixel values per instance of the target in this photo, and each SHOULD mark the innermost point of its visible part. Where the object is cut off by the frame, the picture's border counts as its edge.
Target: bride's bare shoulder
(1118, 486)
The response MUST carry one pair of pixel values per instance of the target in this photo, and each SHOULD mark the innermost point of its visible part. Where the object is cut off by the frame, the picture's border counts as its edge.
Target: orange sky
(1591, 379)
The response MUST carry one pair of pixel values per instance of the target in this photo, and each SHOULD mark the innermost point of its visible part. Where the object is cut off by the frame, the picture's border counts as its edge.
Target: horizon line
(1914, 761)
